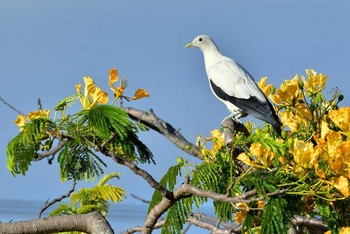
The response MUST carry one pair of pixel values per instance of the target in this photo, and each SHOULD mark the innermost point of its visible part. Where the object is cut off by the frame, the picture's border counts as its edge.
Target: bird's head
(202, 42)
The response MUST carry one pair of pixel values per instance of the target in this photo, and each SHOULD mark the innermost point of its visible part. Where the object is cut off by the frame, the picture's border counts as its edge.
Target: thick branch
(312, 225)
(93, 223)
(154, 122)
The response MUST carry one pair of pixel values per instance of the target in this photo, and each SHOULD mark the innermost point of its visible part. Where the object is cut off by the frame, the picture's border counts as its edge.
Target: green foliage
(176, 216)
(23, 148)
(66, 102)
(92, 199)
(168, 181)
(19, 155)
(111, 124)
(248, 224)
(276, 218)
(101, 125)
(79, 162)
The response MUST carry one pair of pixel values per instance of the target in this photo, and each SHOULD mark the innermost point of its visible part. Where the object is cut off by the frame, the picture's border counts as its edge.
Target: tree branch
(11, 106)
(154, 122)
(312, 224)
(53, 151)
(48, 204)
(139, 228)
(93, 223)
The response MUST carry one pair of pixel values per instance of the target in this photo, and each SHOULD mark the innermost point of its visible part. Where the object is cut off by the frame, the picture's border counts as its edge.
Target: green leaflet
(66, 102)
(168, 181)
(107, 120)
(22, 149)
(176, 217)
(276, 218)
(111, 124)
(19, 155)
(86, 200)
(79, 162)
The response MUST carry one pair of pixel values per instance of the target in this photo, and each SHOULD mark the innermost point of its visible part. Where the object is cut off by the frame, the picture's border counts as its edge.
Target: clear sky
(46, 47)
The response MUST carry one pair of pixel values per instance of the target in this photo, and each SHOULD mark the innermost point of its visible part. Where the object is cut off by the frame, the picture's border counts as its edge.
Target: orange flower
(140, 93)
(342, 184)
(113, 75)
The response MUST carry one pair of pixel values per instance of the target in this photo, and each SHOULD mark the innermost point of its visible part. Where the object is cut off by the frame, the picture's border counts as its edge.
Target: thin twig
(40, 106)
(11, 106)
(48, 204)
(140, 199)
(139, 228)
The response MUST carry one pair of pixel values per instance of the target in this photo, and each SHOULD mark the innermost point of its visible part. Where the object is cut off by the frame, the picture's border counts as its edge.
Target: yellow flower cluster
(119, 91)
(326, 150)
(91, 97)
(22, 119)
(292, 97)
(92, 94)
(218, 141)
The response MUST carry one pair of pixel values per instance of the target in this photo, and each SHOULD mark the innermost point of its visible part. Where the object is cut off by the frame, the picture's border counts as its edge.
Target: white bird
(234, 86)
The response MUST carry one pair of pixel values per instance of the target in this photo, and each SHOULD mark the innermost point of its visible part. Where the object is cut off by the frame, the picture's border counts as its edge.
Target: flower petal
(113, 75)
(140, 93)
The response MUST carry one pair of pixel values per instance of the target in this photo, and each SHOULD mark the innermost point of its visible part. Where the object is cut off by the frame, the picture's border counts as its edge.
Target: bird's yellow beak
(188, 45)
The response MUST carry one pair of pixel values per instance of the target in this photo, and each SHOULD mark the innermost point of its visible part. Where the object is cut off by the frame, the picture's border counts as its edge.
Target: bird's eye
(200, 39)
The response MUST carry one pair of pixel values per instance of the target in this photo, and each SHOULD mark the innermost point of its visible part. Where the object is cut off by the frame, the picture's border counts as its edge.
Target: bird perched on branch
(234, 86)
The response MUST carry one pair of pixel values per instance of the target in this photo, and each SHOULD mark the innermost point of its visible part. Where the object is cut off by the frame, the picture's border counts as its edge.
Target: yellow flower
(218, 141)
(261, 204)
(245, 158)
(267, 89)
(289, 92)
(113, 75)
(99, 96)
(92, 94)
(140, 93)
(89, 85)
(344, 230)
(38, 114)
(342, 184)
(290, 120)
(304, 153)
(20, 121)
(341, 118)
(315, 83)
(241, 215)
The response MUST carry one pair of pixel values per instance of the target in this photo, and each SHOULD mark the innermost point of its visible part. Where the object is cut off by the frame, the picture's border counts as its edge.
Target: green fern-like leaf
(79, 162)
(224, 210)
(275, 218)
(20, 155)
(168, 181)
(107, 119)
(248, 224)
(97, 198)
(176, 217)
(66, 102)
(23, 148)
(207, 176)
(112, 124)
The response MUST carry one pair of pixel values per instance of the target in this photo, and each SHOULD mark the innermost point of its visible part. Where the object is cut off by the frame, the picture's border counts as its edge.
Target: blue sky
(46, 47)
